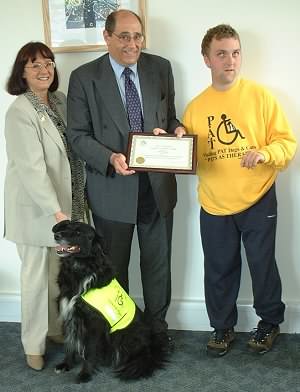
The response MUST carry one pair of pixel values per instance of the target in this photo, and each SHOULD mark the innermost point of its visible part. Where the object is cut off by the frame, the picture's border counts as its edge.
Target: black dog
(93, 334)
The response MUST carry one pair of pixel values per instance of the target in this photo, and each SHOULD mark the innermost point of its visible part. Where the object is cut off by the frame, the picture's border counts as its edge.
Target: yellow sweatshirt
(228, 124)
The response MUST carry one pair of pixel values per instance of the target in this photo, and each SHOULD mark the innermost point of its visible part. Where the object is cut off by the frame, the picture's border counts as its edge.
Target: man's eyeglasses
(37, 67)
(125, 38)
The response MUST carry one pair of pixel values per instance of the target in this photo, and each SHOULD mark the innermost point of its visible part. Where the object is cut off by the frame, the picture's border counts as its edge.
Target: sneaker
(263, 337)
(220, 342)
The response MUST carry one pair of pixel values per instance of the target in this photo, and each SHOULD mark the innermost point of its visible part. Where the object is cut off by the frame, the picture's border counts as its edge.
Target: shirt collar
(118, 68)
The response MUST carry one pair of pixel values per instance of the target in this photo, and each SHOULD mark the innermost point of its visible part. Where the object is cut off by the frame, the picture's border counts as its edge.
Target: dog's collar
(113, 303)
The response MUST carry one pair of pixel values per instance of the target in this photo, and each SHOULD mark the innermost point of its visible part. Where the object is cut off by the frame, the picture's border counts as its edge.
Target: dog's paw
(83, 377)
(62, 367)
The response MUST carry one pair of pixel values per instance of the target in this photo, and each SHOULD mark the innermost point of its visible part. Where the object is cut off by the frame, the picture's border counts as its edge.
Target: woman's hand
(60, 216)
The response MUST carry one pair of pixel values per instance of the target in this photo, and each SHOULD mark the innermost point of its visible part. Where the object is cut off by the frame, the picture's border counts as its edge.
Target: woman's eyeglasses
(37, 67)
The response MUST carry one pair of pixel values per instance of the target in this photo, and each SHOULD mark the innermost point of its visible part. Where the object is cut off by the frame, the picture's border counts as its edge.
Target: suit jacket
(38, 175)
(98, 126)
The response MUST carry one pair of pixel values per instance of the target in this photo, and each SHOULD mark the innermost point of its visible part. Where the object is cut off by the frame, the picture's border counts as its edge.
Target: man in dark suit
(98, 126)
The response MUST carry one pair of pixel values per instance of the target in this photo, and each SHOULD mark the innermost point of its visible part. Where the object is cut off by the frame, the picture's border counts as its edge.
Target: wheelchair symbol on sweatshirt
(227, 133)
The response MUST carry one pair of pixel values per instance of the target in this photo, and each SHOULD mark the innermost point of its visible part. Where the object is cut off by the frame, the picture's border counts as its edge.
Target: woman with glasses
(44, 185)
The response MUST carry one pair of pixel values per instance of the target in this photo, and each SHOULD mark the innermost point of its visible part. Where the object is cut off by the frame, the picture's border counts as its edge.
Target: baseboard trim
(192, 315)
(183, 314)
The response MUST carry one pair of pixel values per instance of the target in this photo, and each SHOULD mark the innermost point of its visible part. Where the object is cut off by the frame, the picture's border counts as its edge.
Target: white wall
(270, 41)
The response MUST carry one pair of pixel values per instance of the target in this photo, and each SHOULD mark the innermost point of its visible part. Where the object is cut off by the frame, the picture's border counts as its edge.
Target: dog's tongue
(67, 249)
(61, 248)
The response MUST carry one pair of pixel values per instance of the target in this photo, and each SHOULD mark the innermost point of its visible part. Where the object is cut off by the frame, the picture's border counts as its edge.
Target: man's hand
(118, 161)
(158, 131)
(179, 131)
(251, 159)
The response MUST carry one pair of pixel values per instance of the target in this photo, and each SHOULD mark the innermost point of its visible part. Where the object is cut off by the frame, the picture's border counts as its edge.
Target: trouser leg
(117, 239)
(155, 259)
(259, 233)
(34, 298)
(221, 242)
(154, 236)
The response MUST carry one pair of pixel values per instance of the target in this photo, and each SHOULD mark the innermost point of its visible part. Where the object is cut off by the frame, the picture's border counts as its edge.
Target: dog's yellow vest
(113, 303)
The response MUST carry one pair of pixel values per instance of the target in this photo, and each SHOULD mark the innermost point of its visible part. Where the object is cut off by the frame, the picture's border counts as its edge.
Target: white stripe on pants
(39, 291)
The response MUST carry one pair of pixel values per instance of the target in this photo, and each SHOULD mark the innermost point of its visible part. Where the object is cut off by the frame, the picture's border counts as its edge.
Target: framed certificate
(162, 153)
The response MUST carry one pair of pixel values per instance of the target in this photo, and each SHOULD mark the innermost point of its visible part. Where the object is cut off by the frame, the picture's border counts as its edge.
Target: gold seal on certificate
(162, 153)
(140, 160)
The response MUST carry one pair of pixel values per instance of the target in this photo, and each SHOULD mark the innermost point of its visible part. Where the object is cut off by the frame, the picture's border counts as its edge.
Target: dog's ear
(59, 226)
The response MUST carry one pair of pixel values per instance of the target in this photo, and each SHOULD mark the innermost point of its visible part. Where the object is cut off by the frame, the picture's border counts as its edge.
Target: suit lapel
(150, 90)
(51, 129)
(108, 89)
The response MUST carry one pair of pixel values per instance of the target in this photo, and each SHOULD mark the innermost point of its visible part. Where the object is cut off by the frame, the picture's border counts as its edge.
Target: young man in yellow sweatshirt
(244, 139)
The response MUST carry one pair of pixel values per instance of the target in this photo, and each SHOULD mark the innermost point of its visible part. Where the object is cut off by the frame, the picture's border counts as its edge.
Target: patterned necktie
(133, 103)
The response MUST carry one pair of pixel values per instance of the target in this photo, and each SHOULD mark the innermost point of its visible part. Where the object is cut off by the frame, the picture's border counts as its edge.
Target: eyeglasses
(125, 38)
(37, 67)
